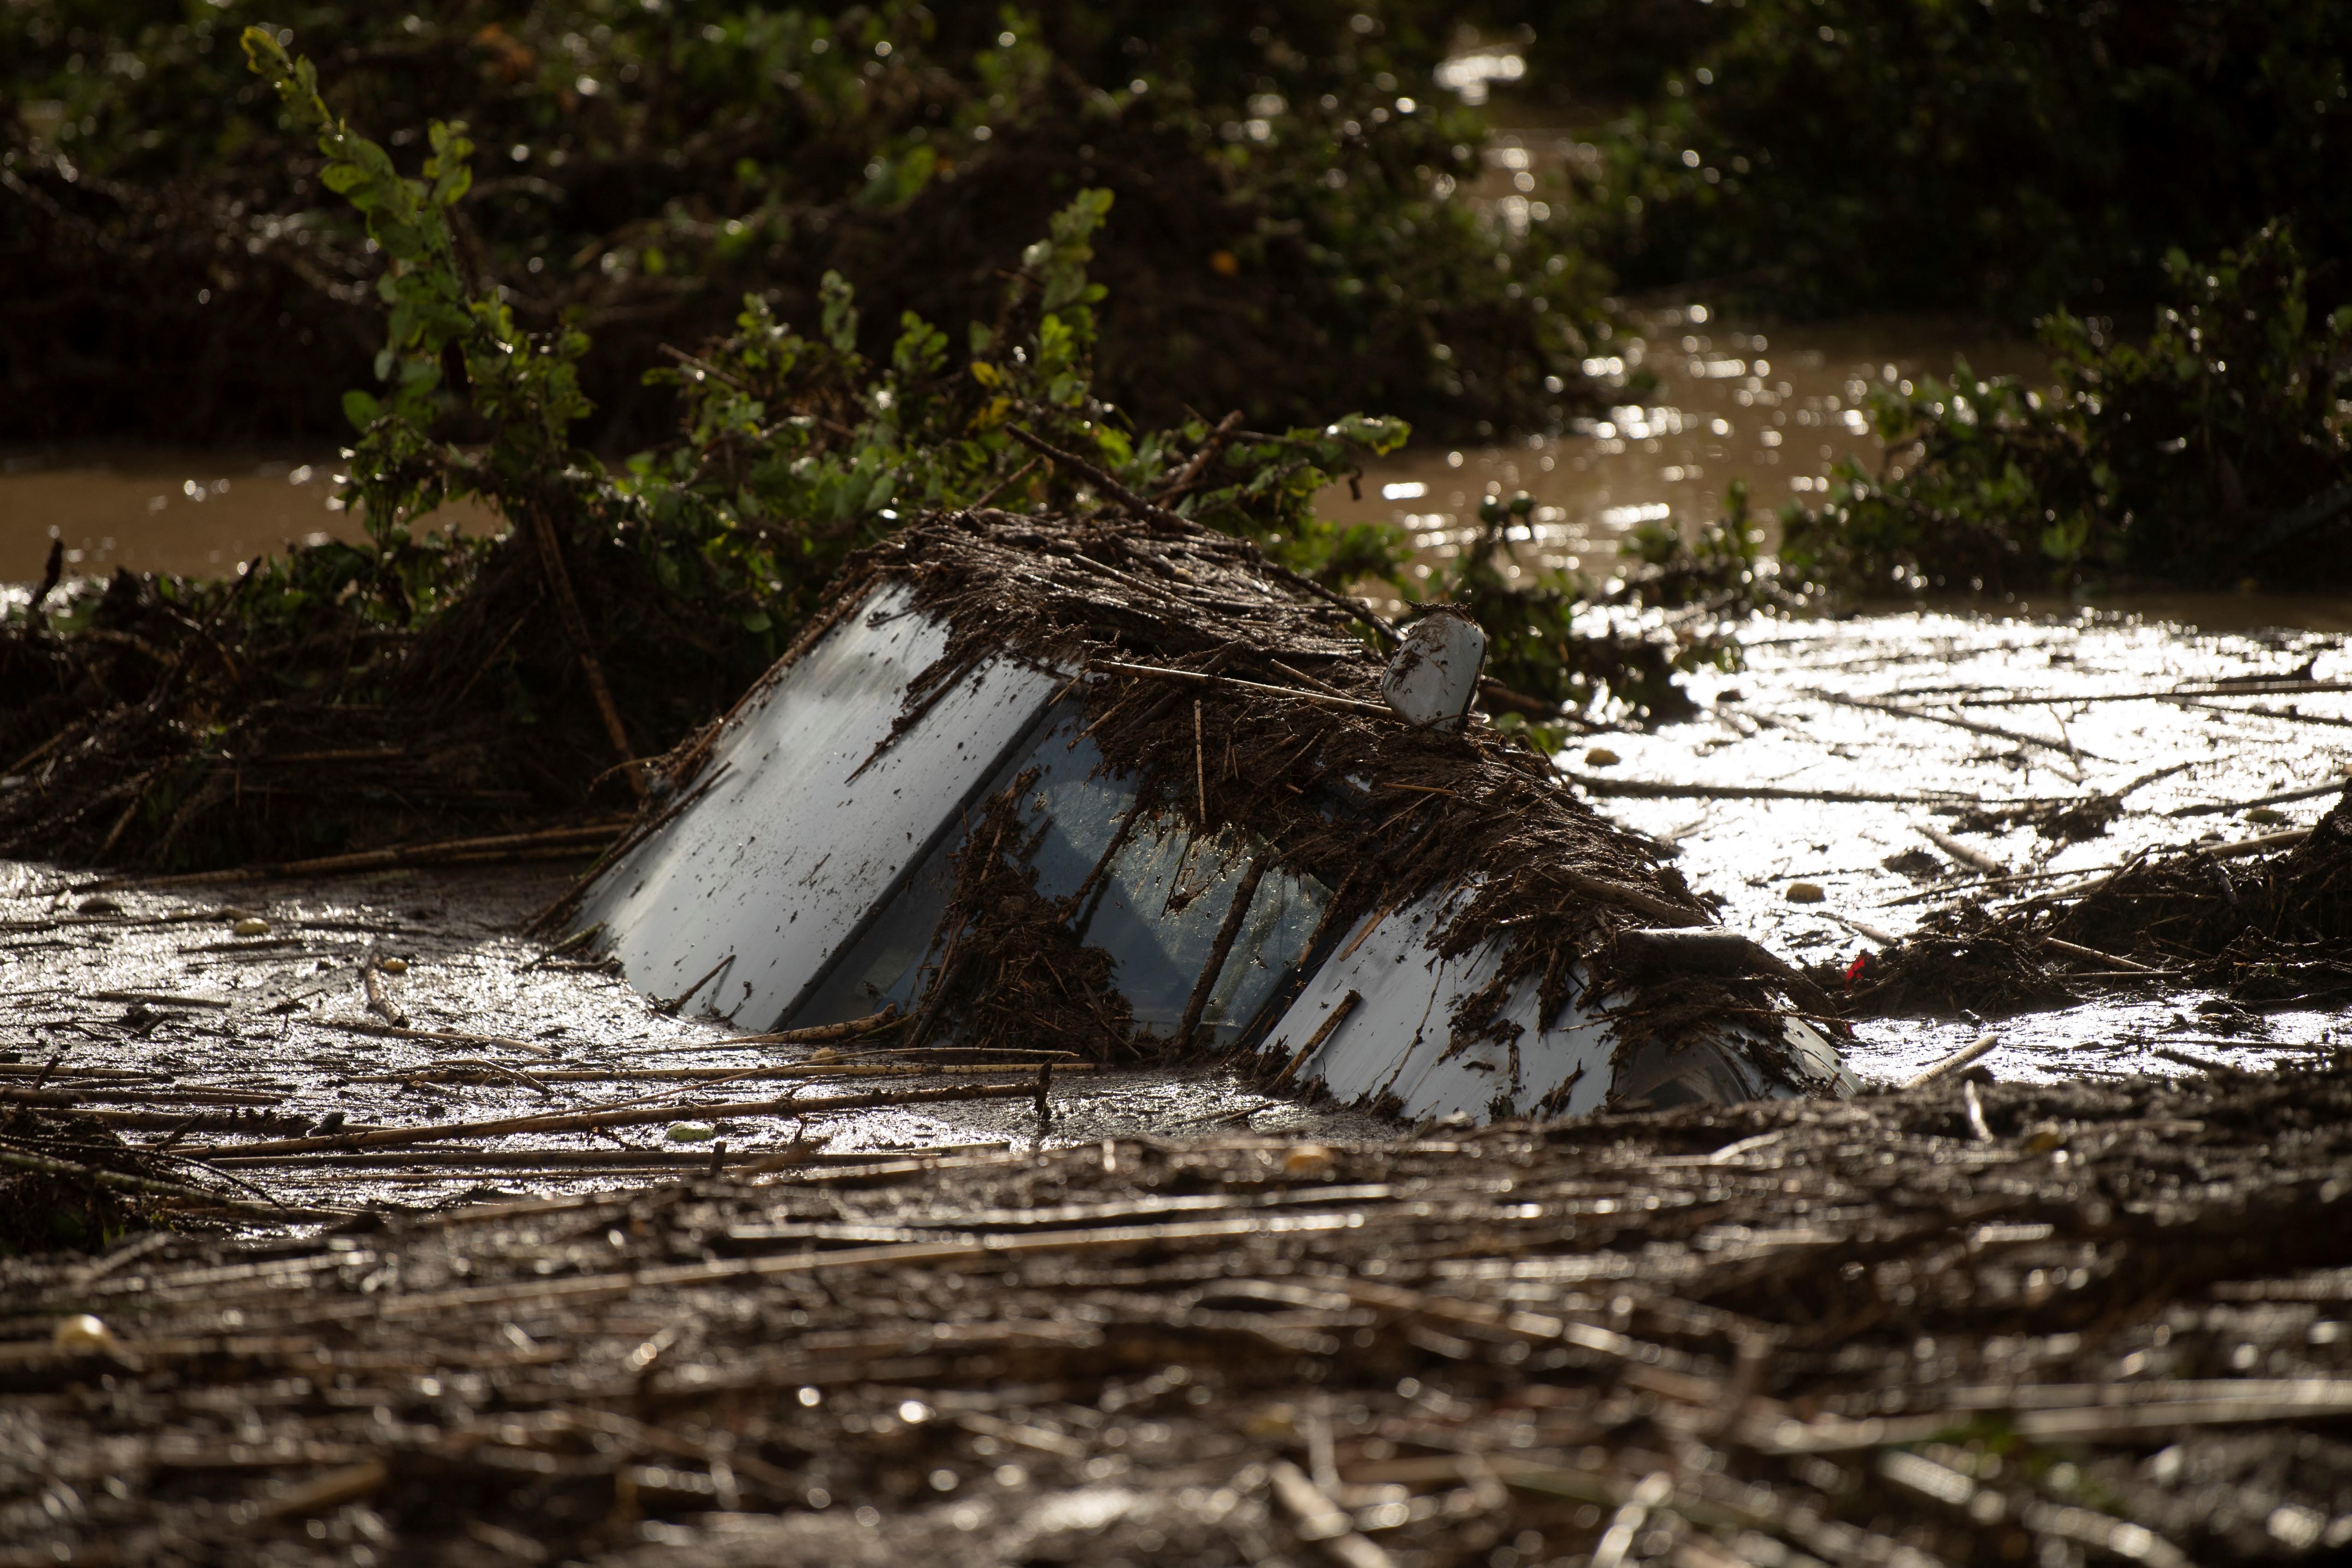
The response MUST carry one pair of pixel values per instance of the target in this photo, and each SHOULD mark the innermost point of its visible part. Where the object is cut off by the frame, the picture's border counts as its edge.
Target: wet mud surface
(1913, 762)
(156, 995)
(2080, 1303)
(157, 1005)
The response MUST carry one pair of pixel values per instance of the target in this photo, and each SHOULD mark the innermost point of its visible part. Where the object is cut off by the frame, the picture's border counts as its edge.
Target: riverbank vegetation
(1288, 240)
(430, 677)
(2215, 452)
(1821, 157)
(792, 261)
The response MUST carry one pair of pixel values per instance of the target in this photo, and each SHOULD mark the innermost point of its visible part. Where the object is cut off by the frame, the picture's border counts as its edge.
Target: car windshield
(1157, 907)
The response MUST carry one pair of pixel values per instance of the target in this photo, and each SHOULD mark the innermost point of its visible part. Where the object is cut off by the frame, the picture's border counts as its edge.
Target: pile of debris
(2266, 920)
(68, 1181)
(165, 725)
(2002, 1325)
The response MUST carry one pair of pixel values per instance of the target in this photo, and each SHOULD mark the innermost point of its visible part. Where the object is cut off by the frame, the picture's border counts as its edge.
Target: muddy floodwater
(1699, 402)
(1849, 763)
(197, 513)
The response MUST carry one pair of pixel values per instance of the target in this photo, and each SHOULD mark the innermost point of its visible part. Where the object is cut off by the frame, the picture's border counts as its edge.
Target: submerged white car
(1121, 788)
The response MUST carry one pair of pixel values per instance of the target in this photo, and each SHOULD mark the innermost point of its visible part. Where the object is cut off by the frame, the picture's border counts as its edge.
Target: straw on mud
(583, 836)
(1648, 789)
(1197, 678)
(2257, 846)
(22, 1161)
(1151, 1300)
(630, 1115)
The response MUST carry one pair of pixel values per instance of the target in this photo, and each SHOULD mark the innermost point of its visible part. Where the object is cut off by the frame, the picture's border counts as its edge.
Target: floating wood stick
(584, 647)
(1966, 854)
(1200, 768)
(2209, 689)
(1974, 727)
(815, 1034)
(1878, 934)
(2109, 959)
(378, 1003)
(1236, 913)
(1978, 1127)
(439, 1036)
(1645, 789)
(2311, 792)
(1323, 1032)
(1981, 1047)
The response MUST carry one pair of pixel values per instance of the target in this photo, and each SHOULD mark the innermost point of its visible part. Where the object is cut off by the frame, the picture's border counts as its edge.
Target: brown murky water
(193, 513)
(1775, 406)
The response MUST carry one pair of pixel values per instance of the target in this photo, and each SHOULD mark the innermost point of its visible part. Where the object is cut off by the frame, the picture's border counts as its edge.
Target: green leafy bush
(1291, 238)
(1831, 156)
(2217, 451)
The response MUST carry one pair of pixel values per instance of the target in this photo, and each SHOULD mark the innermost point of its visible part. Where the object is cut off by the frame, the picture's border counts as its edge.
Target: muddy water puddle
(193, 513)
(1891, 729)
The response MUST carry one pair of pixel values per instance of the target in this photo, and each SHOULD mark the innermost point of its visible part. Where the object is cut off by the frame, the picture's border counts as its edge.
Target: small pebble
(691, 1132)
(251, 925)
(394, 966)
(1309, 1160)
(1602, 757)
(1805, 893)
(83, 1335)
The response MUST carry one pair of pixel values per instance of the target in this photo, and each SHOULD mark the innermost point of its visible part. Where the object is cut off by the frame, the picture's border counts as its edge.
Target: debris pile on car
(1121, 785)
